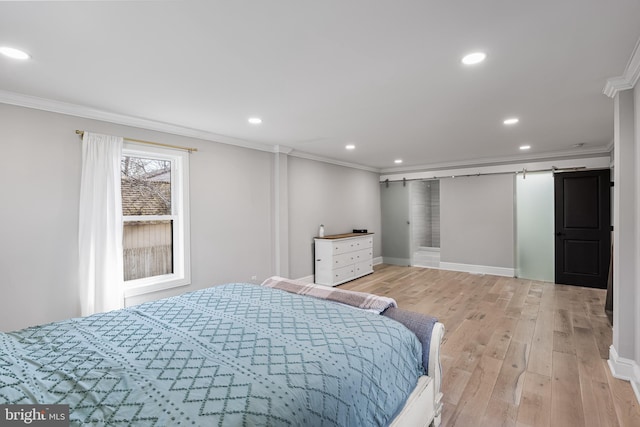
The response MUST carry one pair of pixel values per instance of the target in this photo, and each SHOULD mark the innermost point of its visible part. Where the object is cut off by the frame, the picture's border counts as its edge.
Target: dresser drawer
(362, 255)
(362, 243)
(343, 246)
(344, 273)
(343, 260)
(362, 268)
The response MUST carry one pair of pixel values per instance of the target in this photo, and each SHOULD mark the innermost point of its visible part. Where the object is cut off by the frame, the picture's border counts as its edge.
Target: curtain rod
(189, 149)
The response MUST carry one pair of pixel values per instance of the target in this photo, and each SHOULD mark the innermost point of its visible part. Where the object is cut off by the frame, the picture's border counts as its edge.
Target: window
(155, 202)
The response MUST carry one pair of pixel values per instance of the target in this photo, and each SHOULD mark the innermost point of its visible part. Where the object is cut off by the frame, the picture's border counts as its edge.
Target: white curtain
(100, 229)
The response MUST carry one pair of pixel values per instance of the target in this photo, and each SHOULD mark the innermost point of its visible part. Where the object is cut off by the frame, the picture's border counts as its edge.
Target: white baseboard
(397, 261)
(625, 369)
(307, 279)
(478, 269)
(467, 268)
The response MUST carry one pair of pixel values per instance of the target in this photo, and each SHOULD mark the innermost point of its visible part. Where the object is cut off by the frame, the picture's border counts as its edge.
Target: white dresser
(343, 257)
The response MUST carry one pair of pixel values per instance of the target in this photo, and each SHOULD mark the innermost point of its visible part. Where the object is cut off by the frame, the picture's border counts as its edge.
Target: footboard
(424, 406)
(435, 371)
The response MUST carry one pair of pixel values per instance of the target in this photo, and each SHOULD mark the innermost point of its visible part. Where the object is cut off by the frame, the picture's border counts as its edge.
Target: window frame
(181, 275)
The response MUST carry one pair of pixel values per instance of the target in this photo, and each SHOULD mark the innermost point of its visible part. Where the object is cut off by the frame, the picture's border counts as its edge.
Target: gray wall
(340, 198)
(239, 209)
(476, 220)
(624, 354)
(39, 217)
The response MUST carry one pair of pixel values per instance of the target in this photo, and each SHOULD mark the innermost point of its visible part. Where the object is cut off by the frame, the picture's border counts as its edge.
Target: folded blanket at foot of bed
(362, 300)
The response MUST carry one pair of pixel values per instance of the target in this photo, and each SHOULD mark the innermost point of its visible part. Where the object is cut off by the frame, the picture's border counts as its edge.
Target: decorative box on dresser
(343, 257)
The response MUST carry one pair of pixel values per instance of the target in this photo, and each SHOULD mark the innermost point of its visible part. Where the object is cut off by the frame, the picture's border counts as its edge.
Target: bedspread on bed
(235, 354)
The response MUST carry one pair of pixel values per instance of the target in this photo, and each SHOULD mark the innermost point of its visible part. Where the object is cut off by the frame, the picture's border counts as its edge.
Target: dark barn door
(583, 228)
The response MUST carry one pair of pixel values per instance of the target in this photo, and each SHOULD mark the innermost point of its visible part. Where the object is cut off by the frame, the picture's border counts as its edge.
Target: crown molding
(552, 155)
(28, 101)
(303, 155)
(282, 149)
(615, 85)
(610, 146)
(630, 77)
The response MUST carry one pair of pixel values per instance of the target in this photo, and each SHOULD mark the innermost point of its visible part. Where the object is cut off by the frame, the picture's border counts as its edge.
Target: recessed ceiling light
(511, 121)
(14, 53)
(398, 161)
(474, 58)
(525, 147)
(255, 120)
(350, 147)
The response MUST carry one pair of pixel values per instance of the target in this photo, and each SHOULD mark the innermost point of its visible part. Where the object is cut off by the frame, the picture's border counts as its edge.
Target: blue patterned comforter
(231, 355)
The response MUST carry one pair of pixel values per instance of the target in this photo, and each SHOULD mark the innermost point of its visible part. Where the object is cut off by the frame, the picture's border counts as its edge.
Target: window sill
(153, 284)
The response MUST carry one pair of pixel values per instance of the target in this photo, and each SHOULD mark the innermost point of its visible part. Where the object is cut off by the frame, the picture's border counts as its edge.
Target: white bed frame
(424, 405)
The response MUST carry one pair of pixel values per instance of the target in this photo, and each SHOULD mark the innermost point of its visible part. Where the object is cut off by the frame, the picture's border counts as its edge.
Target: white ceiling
(383, 75)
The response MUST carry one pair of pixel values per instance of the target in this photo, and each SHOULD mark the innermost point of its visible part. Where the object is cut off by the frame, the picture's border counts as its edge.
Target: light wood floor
(516, 352)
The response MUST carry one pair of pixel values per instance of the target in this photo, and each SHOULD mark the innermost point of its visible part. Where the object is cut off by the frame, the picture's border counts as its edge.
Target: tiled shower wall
(434, 203)
(425, 213)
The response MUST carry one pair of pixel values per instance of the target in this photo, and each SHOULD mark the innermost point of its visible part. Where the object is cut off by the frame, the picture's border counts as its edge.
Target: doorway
(396, 232)
(411, 222)
(424, 198)
(582, 227)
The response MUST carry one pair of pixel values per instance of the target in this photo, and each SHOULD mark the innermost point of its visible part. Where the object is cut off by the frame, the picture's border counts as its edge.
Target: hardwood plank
(524, 330)
(603, 335)
(500, 414)
(469, 356)
(589, 403)
(580, 321)
(448, 411)
(475, 397)
(563, 321)
(508, 387)
(589, 361)
(547, 300)
(453, 384)
(501, 338)
(566, 405)
(604, 403)
(542, 344)
(535, 404)
(563, 342)
(463, 335)
(531, 308)
(520, 293)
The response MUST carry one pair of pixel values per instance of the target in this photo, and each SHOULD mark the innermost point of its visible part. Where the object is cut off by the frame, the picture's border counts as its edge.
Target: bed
(232, 355)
